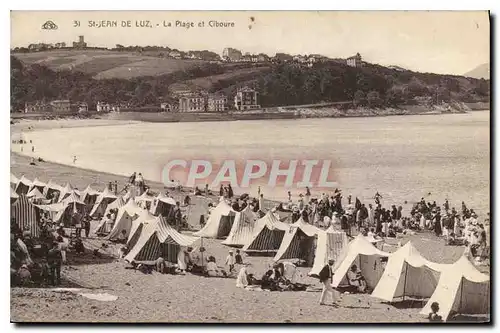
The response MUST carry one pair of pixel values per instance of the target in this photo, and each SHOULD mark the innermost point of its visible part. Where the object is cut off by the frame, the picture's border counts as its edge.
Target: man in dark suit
(325, 276)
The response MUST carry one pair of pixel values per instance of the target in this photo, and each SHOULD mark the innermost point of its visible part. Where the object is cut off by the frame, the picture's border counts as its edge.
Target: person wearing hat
(230, 261)
(325, 277)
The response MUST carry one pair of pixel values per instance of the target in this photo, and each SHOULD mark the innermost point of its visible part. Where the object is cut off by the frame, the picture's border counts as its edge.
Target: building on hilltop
(355, 61)
(217, 103)
(230, 54)
(246, 99)
(81, 44)
(36, 107)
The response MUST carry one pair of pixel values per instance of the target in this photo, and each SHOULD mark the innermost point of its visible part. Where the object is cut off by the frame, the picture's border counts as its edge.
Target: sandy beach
(189, 298)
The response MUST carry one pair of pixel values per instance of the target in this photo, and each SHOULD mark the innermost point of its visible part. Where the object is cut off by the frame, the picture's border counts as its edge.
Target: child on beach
(230, 261)
(433, 316)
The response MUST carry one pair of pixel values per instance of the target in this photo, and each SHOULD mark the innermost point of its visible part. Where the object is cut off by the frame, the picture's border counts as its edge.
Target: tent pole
(404, 286)
(201, 252)
(461, 294)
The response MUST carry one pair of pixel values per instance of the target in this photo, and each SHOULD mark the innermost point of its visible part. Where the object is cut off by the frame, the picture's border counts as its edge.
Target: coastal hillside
(480, 72)
(37, 78)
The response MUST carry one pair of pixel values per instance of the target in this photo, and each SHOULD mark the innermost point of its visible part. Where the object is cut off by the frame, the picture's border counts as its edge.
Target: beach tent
(27, 215)
(330, 245)
(268, 234)
(23, 185)
(101, 227)
(158, 239)
(366, 257)
(13, 196)
(102, 202)
(408, 274)
(461, 289)
(66, 191)
(35, 194)
(144, 200)
(72, 211)
(129, 195)
(38, 184)
(243, 228)
(219, 223)
(89, 195)
(137, 225)
(299, 242)
(13, 180)
(124, 218)
(162, 205)
(51, 188)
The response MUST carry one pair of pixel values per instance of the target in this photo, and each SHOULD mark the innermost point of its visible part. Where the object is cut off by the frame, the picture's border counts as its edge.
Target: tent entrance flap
(225, 225)
(301, 247)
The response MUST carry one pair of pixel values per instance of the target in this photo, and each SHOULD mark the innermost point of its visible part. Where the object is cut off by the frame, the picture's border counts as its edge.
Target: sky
(447, 42)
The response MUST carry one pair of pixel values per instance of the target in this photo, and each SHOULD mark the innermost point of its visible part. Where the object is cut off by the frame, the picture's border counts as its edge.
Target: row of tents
(457, 287)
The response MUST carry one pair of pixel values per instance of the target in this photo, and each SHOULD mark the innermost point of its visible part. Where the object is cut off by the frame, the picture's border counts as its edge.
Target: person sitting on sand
(356, 279)
(433, 316)
(267, 282)
(242, 278)
(79, 248)
(213, 269)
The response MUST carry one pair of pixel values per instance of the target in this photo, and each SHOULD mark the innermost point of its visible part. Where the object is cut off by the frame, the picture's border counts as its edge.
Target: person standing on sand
(229, 191)
(131, 179)
(54, 259)
(32, 149)
(74, 159)
(230, 261)
(325, 277)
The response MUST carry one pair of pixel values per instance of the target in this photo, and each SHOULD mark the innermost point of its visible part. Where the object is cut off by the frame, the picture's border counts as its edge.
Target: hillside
(103, 64)
(480, 72)
(93, 76)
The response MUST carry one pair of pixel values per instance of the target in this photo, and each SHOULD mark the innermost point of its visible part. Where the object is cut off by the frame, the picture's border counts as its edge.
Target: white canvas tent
(157, 239)
(51, 188)
(14, 180)
(162, 205)
(365, 256)
(137, 225)
(66, 191)
(268, 235)
(124, 218)
(89, 195)
(100, 229)
(219, 222)
(408, 274)
(102, 202)
(243, 228)
(23, 185)
(129, 195)
(38, 184)
(35, 194)
(299, 242)
(73, 209)
(330, 245)
(13, 196)
(462, 289)
(144, 200)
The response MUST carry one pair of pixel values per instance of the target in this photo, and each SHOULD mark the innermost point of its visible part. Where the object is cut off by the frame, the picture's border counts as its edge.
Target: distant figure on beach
(33, 149)
(74, 159)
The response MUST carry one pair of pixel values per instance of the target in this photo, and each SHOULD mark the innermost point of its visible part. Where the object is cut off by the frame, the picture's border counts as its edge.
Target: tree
(373, 99)
(359, 98)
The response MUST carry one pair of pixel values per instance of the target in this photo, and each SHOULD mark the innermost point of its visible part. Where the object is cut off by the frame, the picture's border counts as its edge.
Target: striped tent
(299, 242)
(51, 189)
(23, 185)
(13, 196)
(243, 228)
(162, 205)
(38, 184)
(13, 180)
(27, 215)
(330, 245)
(268, 235)
(159, 239)
(124, 218)
(89, 196)
(219, 222)
(102, 202)
(137, 225)
(101, 227)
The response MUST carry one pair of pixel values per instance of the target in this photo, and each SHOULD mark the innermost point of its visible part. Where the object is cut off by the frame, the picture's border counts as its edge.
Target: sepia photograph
(250, 167)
